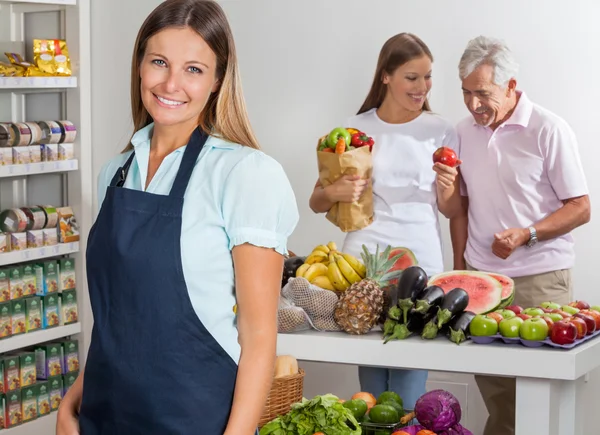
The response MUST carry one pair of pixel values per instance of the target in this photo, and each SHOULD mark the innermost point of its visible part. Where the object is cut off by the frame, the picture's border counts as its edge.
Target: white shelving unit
(59, 183)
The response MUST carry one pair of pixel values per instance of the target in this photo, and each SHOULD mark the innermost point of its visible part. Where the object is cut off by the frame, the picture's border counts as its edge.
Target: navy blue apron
(152, 367)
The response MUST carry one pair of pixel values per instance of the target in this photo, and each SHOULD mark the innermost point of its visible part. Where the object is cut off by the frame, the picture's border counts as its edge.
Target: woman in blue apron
(193, 219)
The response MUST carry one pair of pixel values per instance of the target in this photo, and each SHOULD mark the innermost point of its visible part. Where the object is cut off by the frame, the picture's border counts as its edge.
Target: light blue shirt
(236, 195)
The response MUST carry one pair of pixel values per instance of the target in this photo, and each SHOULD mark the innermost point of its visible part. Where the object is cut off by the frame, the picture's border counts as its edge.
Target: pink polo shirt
(514, 177)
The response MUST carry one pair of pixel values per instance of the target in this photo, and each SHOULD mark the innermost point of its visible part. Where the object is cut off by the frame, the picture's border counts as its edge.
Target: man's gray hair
(484, 50)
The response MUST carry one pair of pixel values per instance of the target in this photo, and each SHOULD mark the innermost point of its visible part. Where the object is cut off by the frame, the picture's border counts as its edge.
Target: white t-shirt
(516, 176)
(404, 190)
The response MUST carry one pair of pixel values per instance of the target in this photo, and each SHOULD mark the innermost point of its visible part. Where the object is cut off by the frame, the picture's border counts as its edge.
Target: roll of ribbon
(7, 136)
(36, 132)
(51, 216)
(13, 221)
(69, 132)
(22, 134)
(51, 132)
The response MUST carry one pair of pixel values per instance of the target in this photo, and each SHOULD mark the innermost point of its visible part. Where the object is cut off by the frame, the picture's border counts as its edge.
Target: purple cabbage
(412, 430)
(438, 410)
(456, 430)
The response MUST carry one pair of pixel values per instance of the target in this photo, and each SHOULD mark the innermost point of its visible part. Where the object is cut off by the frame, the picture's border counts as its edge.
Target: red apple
(549, 321)
(580, 324)
(593, 314)
(562, 313)
(523, 316)
(445, 156)
(582, 305)
(547, 310)
(496, 316)
(590, 323)
(563, 332)
(515, 309)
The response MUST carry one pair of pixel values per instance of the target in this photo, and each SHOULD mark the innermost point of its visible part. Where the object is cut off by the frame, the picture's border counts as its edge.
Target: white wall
(307, 65)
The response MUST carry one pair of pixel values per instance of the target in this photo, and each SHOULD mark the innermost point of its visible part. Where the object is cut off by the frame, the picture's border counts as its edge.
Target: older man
(524, 191)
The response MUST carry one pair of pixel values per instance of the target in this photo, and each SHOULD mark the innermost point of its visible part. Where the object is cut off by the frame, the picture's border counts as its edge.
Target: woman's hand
(348, 188)
(446, 175)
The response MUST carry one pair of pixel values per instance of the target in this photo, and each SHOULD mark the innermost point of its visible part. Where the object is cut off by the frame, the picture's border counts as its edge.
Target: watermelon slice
(406, 260)
(485, 292)
(508, 289)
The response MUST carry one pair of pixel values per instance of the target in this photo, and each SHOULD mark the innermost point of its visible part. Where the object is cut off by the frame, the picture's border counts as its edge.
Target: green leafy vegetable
(321, 414)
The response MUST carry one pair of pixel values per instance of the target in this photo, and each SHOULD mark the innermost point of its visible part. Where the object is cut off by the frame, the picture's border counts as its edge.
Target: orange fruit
(367, 397)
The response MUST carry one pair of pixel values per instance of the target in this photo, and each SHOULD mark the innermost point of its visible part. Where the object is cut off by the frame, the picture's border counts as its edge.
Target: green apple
(550, 305)
(510, 327)
(554, 316)
(336, 134)
(506, 314)
(569, 310)
(533, 311)
(596, 308)
(483, 326)
(535, 329)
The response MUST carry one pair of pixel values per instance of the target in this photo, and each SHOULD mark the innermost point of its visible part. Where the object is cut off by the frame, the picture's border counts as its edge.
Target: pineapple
(361, 305)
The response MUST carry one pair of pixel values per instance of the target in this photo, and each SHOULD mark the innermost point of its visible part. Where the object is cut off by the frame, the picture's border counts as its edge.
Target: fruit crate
(370, 428)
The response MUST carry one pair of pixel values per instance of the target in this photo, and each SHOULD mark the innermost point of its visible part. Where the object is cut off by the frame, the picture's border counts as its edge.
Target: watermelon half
(485, 292)
(406, 260)
(508, 289)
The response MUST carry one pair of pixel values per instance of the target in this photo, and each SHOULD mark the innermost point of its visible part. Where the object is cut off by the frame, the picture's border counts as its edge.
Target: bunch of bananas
(330, 269)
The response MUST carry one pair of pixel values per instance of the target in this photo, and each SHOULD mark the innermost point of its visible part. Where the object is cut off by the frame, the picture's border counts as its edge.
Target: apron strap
(119, 178)
(188, 162)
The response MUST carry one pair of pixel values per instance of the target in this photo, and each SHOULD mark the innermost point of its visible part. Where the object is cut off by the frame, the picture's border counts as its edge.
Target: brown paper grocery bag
(348, 216)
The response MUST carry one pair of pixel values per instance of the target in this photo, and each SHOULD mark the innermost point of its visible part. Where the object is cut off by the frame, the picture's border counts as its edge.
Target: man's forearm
(459, 232)
(574, 213)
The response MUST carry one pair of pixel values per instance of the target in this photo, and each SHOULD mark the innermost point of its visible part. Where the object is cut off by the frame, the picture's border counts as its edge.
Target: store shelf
(42, 426)
(38, 253)
(38, 168)
(32, 338)
(43, 2)
(37, 82)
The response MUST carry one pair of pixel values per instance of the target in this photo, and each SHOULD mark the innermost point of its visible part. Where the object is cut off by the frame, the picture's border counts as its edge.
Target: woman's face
(410, 83)
(178, 74)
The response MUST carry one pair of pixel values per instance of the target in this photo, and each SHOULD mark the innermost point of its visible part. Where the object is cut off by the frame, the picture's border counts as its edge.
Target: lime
(384, 414)
(390, 395)
(396, 406)
(358, 407)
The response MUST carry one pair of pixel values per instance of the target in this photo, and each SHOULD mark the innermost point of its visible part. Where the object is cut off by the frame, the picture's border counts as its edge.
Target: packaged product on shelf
(4, 285)
(43, 398)
(67, 273)
(50, 236)
(8, 70)
(51, 216)
(27, 368)
(5, 319)
(68, 381)
(13, 220)
(7, 136)
(69, 131)
(29, 280)
(68, 226)
(16, 282)
(66, 151)
(55, 387)
(35, 239)
(50, 152)
(11, 373)
(22, 134)
(36, 218)
(22, 67)
(18, 241)
(29, 403)
(36, 132)
(51, 316)
(4, 242)
(51, 132)
(14, 409)
(68, 307)
(48, 359)
(47, 275)
(51, 56)
(18, 317)
(33, 311)
(71, 356)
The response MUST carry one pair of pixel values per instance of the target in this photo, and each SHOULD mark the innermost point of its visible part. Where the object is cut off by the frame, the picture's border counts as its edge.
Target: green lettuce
(320, 414)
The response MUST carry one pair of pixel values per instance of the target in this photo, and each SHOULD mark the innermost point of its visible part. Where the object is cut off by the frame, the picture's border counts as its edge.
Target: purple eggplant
(458, 327)
(455, 301)
(430, 298)
(414, 325)
(412, 282)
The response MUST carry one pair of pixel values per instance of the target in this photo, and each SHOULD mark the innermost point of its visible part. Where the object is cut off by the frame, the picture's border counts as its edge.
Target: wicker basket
(284, 392)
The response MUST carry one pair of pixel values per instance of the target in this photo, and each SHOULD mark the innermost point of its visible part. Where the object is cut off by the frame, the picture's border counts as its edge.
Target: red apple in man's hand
(563, 332)
(445, 156)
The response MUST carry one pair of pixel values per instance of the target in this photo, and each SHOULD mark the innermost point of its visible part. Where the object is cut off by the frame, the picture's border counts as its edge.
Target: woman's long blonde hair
(225, 113)
(396, 51)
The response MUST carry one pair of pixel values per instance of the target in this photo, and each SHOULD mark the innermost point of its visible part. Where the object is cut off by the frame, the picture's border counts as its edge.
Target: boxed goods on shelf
(34, 142)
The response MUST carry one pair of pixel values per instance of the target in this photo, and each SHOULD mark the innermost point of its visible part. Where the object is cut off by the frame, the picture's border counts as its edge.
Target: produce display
(341, 140)
(437, 412)
(551, 324)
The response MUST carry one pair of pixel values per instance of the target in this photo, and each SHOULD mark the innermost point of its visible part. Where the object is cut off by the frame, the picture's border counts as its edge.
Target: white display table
(546, 377)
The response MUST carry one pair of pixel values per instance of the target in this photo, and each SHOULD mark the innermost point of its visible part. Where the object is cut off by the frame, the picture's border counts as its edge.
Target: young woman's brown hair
(396, 51)
(225, 113)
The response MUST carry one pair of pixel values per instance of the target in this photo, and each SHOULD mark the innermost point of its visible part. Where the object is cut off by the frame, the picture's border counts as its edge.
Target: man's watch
(532, 237)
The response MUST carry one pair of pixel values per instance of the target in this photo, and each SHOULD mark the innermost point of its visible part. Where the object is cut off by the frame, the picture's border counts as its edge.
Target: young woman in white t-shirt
(407, 193)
